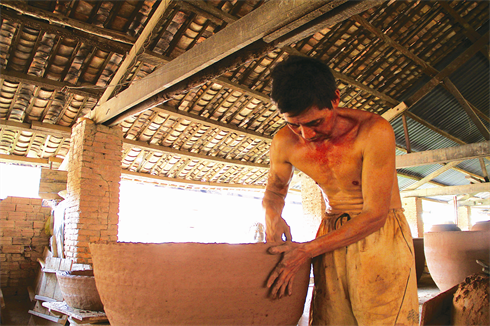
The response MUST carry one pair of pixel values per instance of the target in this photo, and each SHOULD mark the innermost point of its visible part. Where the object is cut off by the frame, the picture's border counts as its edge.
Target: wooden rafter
(444, 155)
(263, 21)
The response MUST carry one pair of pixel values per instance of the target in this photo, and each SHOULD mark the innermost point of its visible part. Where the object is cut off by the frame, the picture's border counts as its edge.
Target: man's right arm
(280, 175)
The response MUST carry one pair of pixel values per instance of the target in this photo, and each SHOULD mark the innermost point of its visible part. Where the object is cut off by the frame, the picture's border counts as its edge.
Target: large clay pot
(193, 284)
(79, 290)
(481, 226)
(418, 247)
(451, 256)
(444, 227)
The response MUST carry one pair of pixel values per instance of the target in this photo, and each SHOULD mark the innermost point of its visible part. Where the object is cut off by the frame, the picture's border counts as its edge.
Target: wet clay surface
(471, 301)
(193, 284)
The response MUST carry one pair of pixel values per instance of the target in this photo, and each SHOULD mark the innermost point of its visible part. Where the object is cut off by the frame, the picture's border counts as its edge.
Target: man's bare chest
(328, 163)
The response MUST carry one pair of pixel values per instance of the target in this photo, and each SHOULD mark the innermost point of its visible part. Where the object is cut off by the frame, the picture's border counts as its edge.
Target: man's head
(301, 82)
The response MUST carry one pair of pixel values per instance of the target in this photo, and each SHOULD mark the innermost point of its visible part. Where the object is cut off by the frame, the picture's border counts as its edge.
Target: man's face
(314, 124)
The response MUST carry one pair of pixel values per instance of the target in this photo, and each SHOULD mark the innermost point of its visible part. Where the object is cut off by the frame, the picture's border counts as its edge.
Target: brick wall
(22, 241)
(94, 173)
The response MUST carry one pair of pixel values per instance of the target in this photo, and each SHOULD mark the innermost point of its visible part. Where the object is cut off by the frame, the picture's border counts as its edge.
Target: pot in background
(451, 256)
(79, 290)
(444, 227)
(193, 284)
(481, 226)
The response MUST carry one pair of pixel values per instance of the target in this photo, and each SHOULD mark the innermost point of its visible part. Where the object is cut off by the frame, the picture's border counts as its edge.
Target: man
(363, 258)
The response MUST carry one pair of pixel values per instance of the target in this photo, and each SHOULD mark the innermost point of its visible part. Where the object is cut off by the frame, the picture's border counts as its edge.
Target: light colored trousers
(370, 282)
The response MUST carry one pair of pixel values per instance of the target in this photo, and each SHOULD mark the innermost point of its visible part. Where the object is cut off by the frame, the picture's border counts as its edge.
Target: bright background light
(150, 213)
(19, 181)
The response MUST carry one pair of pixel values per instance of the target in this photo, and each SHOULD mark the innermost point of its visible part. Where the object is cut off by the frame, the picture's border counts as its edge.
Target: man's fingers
(272, 278)
(277, 249)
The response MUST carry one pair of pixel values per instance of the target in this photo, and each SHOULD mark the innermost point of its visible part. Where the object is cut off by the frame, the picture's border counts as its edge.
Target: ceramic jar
(193, 284)
(451, 256)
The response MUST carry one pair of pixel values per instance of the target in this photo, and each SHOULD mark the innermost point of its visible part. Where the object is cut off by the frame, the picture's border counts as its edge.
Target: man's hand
(274, 231)
(282, 277)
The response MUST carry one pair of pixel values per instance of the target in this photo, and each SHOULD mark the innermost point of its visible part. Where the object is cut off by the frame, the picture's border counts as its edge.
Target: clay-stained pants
(370, 282)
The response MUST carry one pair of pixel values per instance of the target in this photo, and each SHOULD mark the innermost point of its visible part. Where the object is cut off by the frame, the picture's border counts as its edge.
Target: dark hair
(300, 82)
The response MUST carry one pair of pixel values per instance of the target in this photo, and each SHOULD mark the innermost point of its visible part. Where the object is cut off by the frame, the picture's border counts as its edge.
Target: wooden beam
(46, 162)
(337, 14)
(165, 109)
(53, 18)
(446, 72)
(469, 110)
(243, 89)
(252, 27)
(395, 112)
(432, 175)
(201, 7)
(438, 156)
(17, 77)
(173, 151)
(176, 182)
(35, 126)
(447, 191)
(135, 50)
(474, 202)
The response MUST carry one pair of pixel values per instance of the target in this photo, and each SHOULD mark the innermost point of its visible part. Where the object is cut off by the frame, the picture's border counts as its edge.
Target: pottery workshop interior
(135, 141)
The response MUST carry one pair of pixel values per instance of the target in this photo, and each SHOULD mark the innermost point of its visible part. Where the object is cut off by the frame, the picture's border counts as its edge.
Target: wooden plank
(437, 311)
(51, 183)
(47, 317)
(84, 316)
(447, 191)
(260, 22)
(437, 156)
(43, 298)
(395, 112)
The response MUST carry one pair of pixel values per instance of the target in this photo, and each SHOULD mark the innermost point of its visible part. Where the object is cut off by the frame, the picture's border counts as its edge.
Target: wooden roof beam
(17, 77)
(447, 191)
(57, 19)
(438, 156)
(172, 151)
(263, 21)
(165, 109)
(138, 47)
(448, 70)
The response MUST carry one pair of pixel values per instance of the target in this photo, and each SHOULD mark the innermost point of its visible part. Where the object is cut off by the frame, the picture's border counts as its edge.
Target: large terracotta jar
(193, 284)
(451, 255)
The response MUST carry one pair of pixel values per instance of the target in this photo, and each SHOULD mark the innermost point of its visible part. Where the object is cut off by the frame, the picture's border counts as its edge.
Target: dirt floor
(16, 310)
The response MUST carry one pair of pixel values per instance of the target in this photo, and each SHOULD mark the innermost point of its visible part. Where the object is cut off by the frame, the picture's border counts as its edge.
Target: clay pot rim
(69, 274)
(104, 242)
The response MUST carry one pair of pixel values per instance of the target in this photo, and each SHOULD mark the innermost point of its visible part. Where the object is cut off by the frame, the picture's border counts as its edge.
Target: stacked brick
(94, 173)
(22, 241)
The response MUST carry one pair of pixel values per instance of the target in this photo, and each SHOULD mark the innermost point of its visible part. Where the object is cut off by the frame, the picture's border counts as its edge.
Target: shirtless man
(363, 259)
